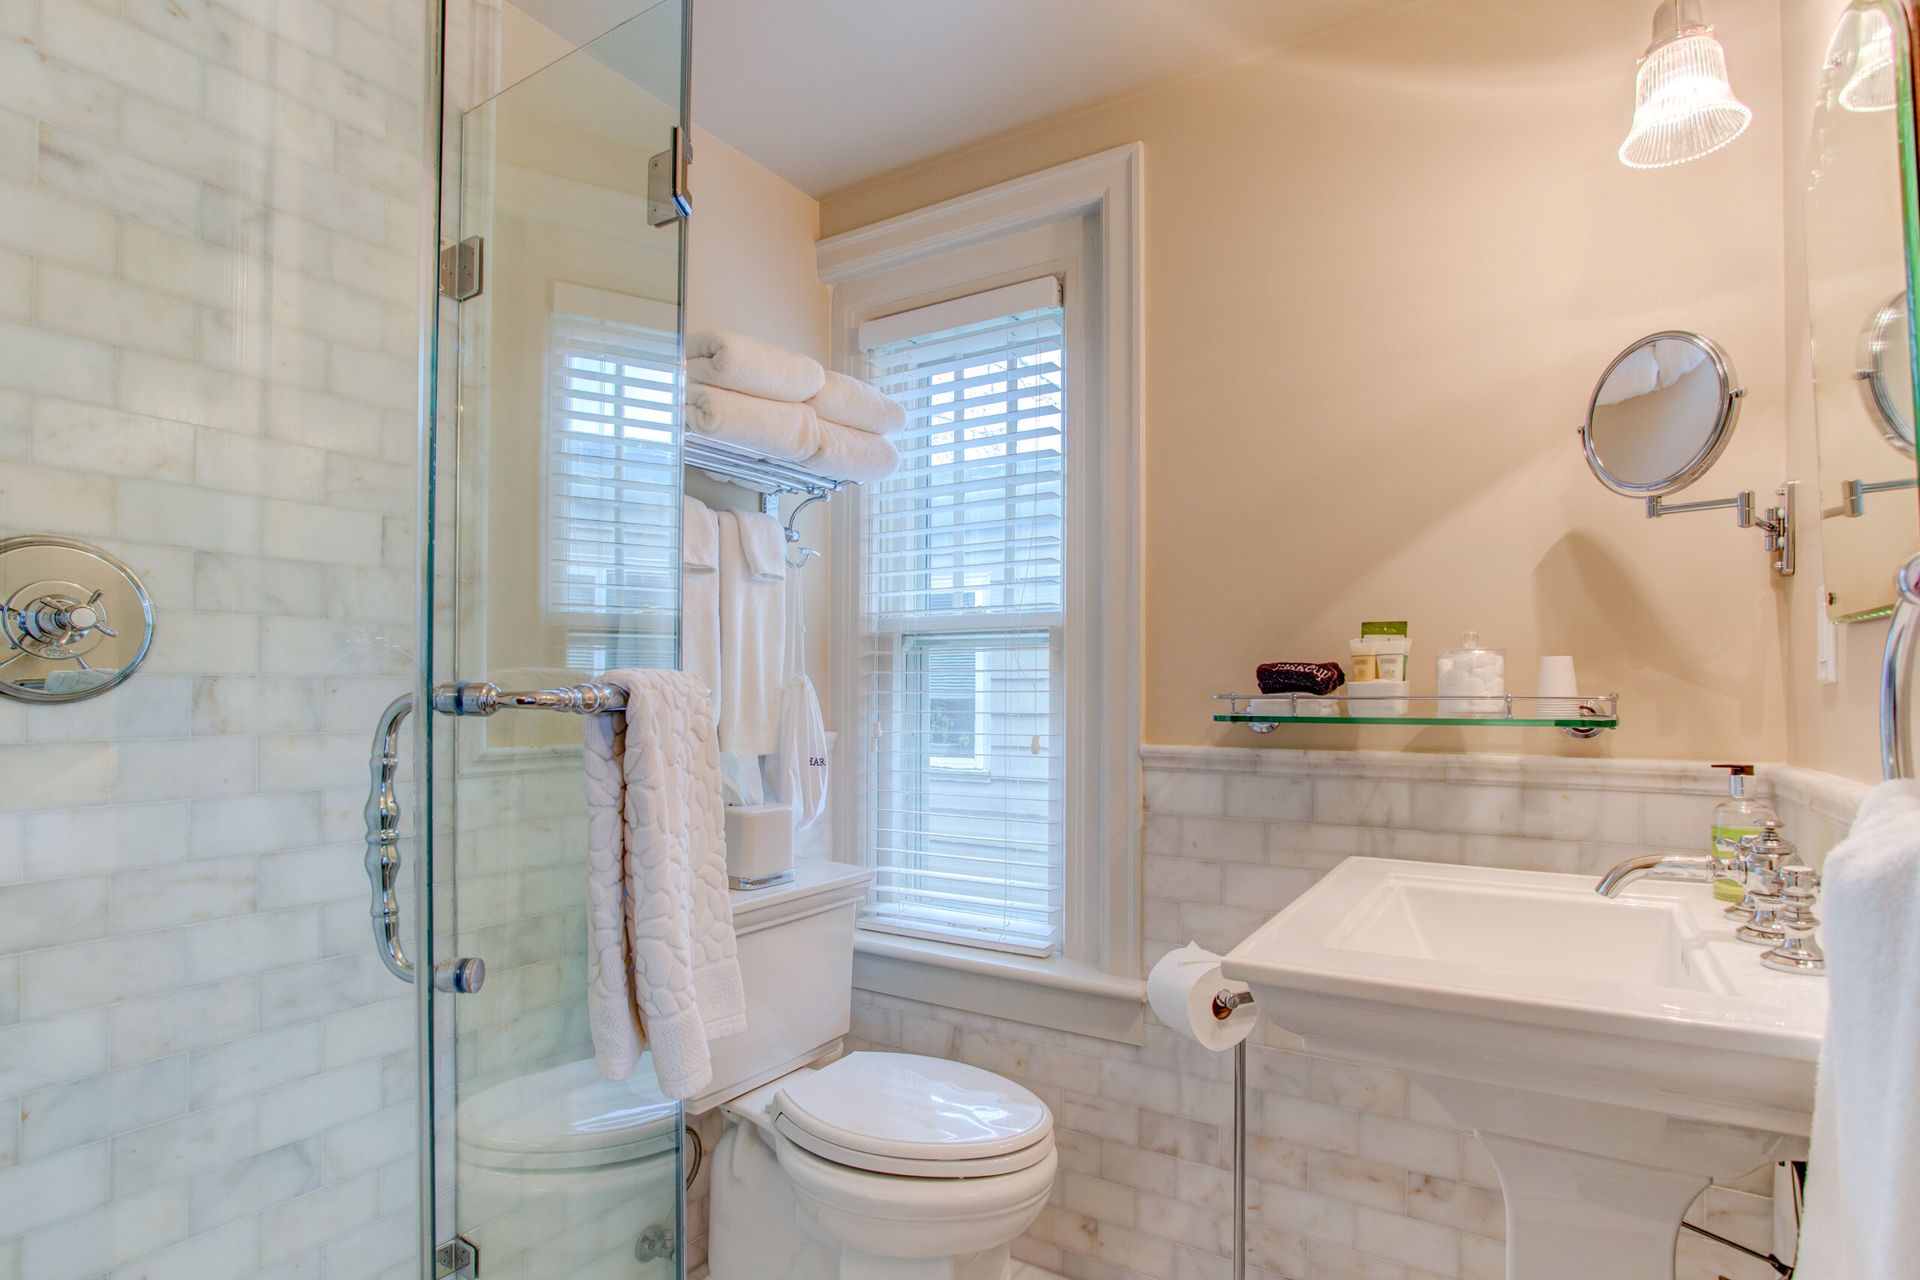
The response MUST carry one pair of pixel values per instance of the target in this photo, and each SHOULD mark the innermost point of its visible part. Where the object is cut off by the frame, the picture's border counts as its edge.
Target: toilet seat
(906, 1115)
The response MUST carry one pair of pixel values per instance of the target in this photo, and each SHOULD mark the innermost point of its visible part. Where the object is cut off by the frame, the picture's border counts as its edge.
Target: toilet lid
(568, 1117)
(895, 1112)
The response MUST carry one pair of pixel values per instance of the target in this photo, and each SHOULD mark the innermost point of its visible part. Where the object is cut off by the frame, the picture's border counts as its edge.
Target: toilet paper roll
(1181, 989)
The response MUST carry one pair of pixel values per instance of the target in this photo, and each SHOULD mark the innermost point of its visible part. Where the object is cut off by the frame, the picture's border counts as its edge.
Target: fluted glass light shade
(1870, 82)
(1684, 108)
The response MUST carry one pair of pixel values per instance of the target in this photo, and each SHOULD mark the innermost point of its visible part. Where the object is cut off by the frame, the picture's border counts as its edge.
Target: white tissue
(1181, 989)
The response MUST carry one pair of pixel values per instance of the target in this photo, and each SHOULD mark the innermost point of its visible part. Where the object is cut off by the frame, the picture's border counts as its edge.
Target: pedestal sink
(1614, 1055)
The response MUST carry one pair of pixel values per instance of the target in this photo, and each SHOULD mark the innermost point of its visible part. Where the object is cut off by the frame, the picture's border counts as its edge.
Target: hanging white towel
(800, 770)
(700, 596)
(776, 428)
(859, 405)
(739, 363)
(763, 543)
(847, 454)
(1864, 1175)
(662, 964)
(752, 632)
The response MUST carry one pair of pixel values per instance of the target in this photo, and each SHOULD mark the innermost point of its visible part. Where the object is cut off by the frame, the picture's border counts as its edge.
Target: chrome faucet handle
(1764, 851)
(1764, 858)
(1800, 952)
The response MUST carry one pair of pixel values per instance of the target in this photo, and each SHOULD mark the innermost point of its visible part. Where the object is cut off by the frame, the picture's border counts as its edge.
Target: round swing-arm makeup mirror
(1885, 371)
(1661, 414)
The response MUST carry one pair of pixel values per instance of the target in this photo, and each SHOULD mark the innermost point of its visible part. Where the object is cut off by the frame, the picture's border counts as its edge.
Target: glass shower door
(558, 558)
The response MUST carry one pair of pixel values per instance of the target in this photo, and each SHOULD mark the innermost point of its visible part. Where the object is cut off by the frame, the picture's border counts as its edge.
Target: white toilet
(865, 1166)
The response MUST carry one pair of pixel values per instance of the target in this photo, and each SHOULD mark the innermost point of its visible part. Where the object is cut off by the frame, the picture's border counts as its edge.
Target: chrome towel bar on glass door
(463, 976)
(467, 699)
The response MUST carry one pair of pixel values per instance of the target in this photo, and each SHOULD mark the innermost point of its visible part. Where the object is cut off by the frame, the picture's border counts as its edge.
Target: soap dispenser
(1734, 819)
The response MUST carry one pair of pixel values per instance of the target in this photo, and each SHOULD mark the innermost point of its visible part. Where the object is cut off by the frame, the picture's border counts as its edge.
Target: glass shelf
(1506, 712)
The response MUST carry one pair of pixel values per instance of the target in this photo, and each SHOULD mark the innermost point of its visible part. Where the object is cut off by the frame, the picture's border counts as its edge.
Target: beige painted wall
(1384, 269)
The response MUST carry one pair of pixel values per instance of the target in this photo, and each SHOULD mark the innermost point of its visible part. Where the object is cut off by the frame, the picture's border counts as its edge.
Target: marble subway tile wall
(1355, 1174)
(210, 221)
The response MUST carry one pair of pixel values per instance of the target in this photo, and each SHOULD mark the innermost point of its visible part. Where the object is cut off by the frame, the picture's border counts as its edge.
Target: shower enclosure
(558, 496)
(229, 360)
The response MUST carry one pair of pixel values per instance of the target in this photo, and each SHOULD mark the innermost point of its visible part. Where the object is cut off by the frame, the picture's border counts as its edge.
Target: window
(963, 606)
(987, 600)
(611, 562)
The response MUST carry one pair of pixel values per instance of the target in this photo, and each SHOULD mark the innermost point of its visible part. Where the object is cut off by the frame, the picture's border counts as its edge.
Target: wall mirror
(1660, 417)
(1661, 414)
(1860, 219)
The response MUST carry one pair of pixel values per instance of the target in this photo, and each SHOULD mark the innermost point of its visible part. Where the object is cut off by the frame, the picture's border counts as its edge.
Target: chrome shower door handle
(383, 838)
(460, 977)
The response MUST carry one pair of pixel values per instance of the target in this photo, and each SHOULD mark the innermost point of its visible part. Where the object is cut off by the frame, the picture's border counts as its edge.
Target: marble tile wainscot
(1355, 1175)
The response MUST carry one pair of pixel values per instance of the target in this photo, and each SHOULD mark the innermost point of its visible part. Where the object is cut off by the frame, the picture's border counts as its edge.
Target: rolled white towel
(853, 403)
(847, 454)
(716, 358)
(778, 428)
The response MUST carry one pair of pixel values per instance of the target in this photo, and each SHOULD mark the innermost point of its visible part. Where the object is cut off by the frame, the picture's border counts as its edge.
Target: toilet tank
(796, 960)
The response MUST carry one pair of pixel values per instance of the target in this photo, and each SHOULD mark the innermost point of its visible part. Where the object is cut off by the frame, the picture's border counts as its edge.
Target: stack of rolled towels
(783, 405)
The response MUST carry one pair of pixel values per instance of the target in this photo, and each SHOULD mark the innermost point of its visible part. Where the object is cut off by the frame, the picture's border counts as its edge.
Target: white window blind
(611, 558)
(963, 603)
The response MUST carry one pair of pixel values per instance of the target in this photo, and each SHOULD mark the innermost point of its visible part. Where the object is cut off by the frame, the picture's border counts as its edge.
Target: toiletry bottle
(1391, 646)
(1739, 815)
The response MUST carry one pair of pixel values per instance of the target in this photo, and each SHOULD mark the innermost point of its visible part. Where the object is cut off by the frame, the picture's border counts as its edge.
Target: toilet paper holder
(1228, 1000)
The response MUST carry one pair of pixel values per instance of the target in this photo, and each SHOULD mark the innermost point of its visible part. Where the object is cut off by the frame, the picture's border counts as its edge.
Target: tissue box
(759, 845)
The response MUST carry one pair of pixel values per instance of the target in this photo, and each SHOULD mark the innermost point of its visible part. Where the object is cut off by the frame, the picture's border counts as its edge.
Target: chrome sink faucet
(1781, 890)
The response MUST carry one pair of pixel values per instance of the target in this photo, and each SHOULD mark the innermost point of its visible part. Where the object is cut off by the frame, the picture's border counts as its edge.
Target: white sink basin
(1614, 1055)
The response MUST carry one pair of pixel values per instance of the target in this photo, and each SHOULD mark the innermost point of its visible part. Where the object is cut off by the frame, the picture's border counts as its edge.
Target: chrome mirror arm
(1776, 524)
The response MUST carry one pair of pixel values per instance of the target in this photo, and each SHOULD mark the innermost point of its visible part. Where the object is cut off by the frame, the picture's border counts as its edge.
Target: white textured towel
(776, 428)
(753, 620)
(732, 360)
(1864, 1175)
(700, 596)
(662, 966)
(856, 404)
(847, 454)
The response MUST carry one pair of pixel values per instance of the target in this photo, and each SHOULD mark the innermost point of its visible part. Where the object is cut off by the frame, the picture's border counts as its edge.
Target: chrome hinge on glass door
(668, 195)
(463, 269)
(457, 1258)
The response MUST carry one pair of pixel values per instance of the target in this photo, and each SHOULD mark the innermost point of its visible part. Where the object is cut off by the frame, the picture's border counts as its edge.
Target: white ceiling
(827, 93)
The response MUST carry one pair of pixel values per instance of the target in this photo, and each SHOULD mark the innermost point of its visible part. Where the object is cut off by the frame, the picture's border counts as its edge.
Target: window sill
(1060, 995)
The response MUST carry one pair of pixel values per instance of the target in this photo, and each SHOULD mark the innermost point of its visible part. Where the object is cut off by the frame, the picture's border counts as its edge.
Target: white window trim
(1094, 987)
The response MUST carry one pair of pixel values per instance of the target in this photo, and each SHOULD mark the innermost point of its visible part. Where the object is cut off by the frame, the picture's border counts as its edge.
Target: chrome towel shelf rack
(772, 477)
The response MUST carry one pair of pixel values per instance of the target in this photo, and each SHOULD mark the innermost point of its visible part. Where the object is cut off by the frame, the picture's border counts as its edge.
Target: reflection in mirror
(569, 380)
(1660, 415)
(1886, 371)
(1859, 216)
